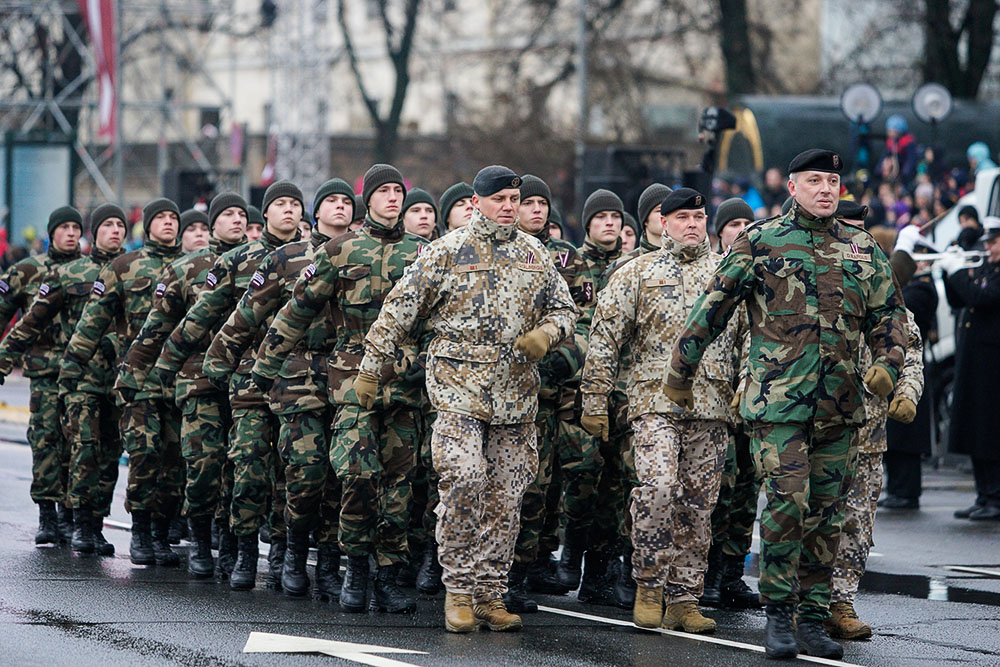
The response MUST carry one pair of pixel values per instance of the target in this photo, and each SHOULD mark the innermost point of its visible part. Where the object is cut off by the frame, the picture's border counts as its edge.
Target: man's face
(66, 237)
(731, 231)
(385, 203)
(334, 214)
(966, 221)
(555, 231)
(460, 213)
(686, 226)
(305, 229)
(110, 235)
(772, 178)
(628, 239)
(230, 225)
(283, 216)
(993, 248)
(419, 220)
(254, 231)
(533, 214)
(654, 226)
(356, 225)
(816, 191)
(163, 227)
(605, 228)
(195, 236)
(501, 207)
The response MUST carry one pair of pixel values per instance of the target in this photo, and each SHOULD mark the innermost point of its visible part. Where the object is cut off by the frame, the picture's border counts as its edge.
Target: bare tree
(943, 53)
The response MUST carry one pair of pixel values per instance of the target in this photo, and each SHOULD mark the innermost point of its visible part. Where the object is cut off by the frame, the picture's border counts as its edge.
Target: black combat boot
(275, 562)
(48, 523)
(735, 593)
(216, 534)
(541, 576)
(83, 531)
(101, 545)
(569, 570)
(294, 578)
(161, 543)
(594, 587)
(201, 565)
(388, 596)
(65, 523)
(408, 571)
(711, 596)
(779, 638)
(812, 640)
(624, 589)
(326, 587)
(354, 591)
(244, 574)
(429, 574)
(177, 531)
(516, 598)
(228, 550)
(141, 547)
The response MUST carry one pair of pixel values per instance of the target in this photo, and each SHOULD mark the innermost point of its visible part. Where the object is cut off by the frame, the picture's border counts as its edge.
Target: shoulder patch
(160, 289)
(98, 288)
(43, 290)
(4, 287)
(211, 279)
(258, 279)
(588, 290)
(309, 272)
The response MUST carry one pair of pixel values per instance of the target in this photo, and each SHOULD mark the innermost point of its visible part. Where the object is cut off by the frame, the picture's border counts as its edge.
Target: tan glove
(533, 344)
(734, 405)
(366, 388)
(902, 409)
(595, 425)
(878, 381)
(682, 397)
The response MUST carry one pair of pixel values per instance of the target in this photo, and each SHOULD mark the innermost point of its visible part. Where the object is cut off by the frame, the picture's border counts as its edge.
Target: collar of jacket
(272, 242)
(490, 230)
(543, 235)
(318, 238)
(60, 257)
(647, 246)
(599, 252)
(218, 246)
(158, 249)
(380, 231)
(685, 253)
(103, 256)
(806, 219)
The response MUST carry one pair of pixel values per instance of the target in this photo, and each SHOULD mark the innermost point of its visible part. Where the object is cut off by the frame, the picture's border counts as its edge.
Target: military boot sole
(201, 570)
(295, 591)
(831, 654)
(701, 629)
(518, 605)
(512, 626)
(104, 548)
(782, 653)
(326, 595)
(409, 608)
(238, 584)
(837, 631)
(460, 629)
(173, 560)
(46, 537)
(82, 547)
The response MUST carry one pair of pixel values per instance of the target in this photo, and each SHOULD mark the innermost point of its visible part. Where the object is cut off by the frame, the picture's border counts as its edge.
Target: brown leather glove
(878, 381)
(595, 425)
(902, 409)
(533, 344)
(734, 404)
(682, 397)
(366, 389)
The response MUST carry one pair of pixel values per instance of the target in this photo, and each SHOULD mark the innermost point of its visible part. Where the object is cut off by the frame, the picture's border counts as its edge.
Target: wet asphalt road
(60, 608)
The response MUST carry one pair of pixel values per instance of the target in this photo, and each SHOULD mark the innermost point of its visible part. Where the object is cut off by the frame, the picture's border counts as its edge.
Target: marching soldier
(455, 206)
(121, 298)
(813, 287)
(495, 308)
(419, 214)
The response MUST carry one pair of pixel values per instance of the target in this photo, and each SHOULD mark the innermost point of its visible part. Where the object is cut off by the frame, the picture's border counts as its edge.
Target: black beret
(254, 216)
(491, 180)
(280, 189)
(851, 210)
(221, 202)
(532, 186)
(816, 159)
(729, 210)
(335, 186)
(650, 198)
(155, 207)
(64, 214)
(682, 198)
(193, 215)
(105, 212)
(418, 196)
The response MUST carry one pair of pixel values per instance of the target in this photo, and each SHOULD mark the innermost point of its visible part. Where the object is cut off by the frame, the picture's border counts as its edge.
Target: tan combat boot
(647, 612)
(844, 622)
(458, 616)
(686, 616)
(494, 615)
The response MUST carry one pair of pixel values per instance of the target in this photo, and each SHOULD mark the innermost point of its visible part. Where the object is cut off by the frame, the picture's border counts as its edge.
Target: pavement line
(972, 570)
(682, 635)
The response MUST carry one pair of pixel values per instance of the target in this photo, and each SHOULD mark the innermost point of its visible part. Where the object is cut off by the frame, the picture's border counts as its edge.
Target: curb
(14, 414)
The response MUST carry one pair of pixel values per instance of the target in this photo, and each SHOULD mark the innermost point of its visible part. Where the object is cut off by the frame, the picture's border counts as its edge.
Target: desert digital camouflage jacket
(352, 274)
(813, 289)
(176, 293)
(121, 298)
(871, 437)
(301, 383)
(18, 288)
(479, 289)
(644, 305)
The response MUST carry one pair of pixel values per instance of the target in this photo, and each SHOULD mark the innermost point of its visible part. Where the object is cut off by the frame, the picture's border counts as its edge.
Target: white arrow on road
(266, 642)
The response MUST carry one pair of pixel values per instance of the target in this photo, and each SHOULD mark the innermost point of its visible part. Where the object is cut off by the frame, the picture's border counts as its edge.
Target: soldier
(204, 409)
(122, 297)
(495, 308)
(298, 395)
(813, 287)
(254, 427)
(678, 453)
(648, 211)
(558, 372)
(603, 214)
(372, 450)
(420, 215)
(38, 339)
(629, 234)
(455, 206)
(255, 224)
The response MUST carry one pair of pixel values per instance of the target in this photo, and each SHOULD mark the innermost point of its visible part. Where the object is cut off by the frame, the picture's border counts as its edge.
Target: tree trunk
(734, 35)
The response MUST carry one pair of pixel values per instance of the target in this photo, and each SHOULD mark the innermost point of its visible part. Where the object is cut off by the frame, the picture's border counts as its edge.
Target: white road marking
(682, 635)
(972, 570)
(266, 642)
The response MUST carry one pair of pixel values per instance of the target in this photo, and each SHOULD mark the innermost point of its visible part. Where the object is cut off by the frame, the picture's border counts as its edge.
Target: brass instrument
(971, 258)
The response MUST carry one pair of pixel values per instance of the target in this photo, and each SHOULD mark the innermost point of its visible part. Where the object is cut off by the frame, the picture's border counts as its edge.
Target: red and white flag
(100, 17)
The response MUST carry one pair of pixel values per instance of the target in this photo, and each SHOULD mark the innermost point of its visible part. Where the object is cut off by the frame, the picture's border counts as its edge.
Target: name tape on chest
(472, 268)
(529, 266)
(98, 288)
(856, 255)
(662, 282)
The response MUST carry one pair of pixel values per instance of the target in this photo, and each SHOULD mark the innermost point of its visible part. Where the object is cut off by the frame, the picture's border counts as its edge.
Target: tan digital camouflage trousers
(678, 465)
(859, 522)
(483, 471)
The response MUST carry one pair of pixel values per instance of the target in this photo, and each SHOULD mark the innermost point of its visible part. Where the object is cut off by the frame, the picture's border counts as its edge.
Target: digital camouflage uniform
(49, 454)
(678, 453)
(122, 297)
(299, 395)
(372, 451)
(813, 289)
(255, 429)
(866, 486)
(205, 418)
(478, 288)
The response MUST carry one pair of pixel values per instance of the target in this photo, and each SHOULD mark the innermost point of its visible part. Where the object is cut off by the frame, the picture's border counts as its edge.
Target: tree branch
(352, 59)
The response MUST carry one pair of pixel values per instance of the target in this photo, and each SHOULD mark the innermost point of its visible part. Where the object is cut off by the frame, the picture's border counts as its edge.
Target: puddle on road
(925, 588)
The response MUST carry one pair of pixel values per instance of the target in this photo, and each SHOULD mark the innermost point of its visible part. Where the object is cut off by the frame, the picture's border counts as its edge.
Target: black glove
(554, 368)
(263, 383)
(416, 374)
